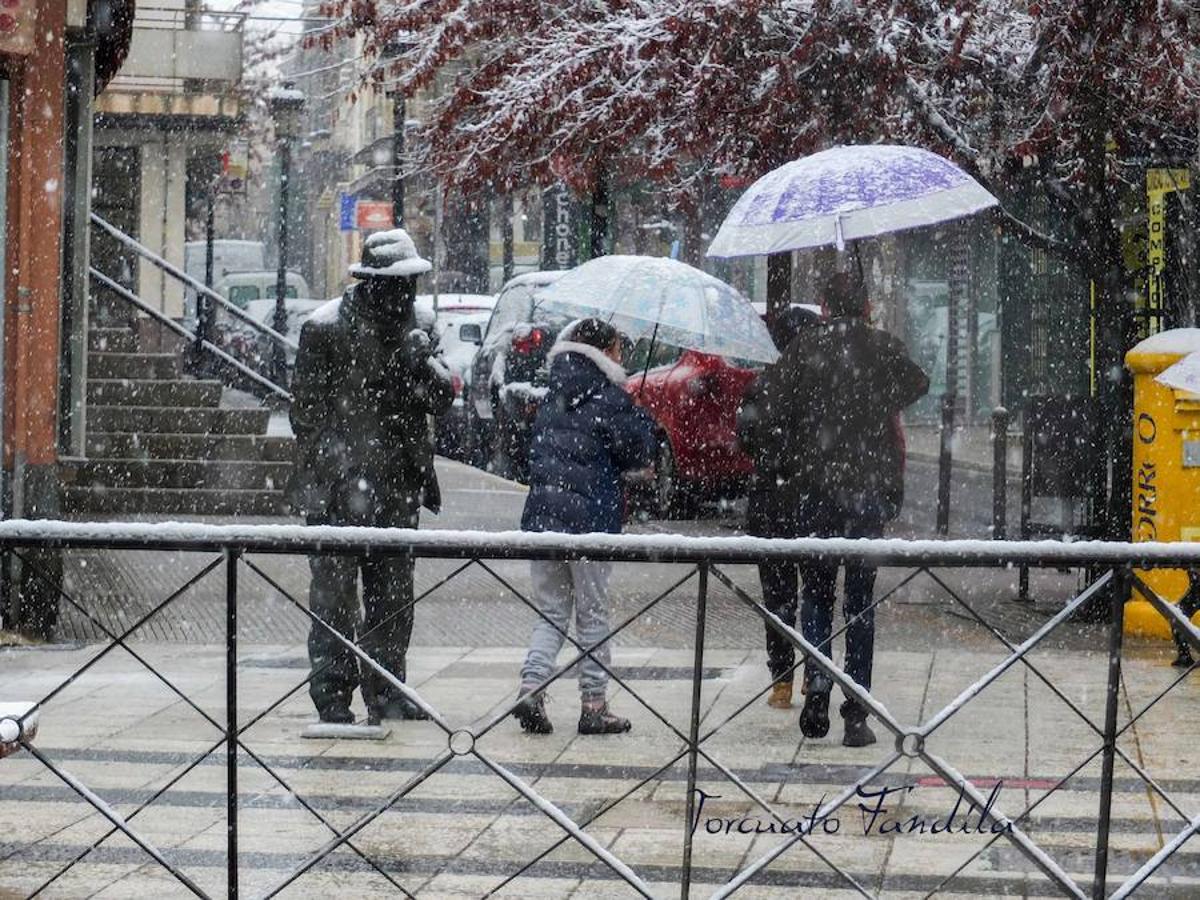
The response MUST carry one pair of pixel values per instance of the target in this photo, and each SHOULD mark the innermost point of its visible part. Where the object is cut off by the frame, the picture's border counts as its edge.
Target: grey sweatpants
(557, 586)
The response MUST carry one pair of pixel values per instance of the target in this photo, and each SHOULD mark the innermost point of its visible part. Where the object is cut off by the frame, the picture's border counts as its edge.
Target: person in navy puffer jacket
(587, 433)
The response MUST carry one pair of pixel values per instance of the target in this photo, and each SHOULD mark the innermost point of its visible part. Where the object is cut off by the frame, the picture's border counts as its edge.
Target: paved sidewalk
(970, 448)
(463, 831)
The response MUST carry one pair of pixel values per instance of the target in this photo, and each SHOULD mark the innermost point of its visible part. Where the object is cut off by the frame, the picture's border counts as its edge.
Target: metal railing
(233, 550)
(201, 339)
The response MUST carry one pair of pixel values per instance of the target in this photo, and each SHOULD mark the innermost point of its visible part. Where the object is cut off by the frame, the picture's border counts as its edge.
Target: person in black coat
(820, 425)
(778, 579)
(587, 434)
(367, 379)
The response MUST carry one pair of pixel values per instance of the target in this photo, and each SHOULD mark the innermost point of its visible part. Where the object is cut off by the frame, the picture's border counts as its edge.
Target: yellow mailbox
(1166, 462)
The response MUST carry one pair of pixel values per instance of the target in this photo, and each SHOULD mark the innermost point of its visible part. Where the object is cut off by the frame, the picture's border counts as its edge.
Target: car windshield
(241, 294)
(512, 307)
(556, 320)
(663, 355)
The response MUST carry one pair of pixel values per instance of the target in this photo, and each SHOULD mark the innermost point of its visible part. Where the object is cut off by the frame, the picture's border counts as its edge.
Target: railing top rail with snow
(179, 275)
(616, 547)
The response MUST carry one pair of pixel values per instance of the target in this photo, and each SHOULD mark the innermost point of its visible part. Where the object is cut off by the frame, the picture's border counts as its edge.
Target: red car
(694, 397)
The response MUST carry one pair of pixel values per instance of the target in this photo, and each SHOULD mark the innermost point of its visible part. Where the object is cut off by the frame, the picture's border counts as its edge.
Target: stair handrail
(204, 344)
(179, 275)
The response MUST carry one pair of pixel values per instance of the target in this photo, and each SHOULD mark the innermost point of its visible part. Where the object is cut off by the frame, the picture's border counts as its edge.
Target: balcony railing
(174, 48)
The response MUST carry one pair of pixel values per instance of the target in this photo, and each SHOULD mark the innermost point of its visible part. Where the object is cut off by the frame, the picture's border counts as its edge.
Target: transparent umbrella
(665, 300)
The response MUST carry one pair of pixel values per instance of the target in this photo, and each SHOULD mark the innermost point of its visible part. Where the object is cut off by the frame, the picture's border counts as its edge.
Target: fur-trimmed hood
(611, 370)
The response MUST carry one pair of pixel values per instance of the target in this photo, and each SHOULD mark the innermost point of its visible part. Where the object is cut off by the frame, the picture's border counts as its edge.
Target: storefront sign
(374, 215)
(17, 19)
(560, 234)
(1159, 183)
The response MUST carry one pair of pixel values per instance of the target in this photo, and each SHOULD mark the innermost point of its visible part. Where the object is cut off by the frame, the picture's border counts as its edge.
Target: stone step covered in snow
(176, 420)
(161, 442)
(176, 473)
(112, 340)
(132, 446)
(186, 501)
(134, 365)
(153, 392)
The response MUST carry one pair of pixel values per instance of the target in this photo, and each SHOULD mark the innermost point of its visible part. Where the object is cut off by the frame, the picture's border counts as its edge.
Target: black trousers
(817, 516)
(1189, 605)
(382, 627)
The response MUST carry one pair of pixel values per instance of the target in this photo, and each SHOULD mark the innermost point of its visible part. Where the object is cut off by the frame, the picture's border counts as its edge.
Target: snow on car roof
(449, 302)
(541, 278)
(761, 308)
(261, 310)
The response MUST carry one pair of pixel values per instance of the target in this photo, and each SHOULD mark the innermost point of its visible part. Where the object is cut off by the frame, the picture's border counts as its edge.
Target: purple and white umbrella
(846, 193)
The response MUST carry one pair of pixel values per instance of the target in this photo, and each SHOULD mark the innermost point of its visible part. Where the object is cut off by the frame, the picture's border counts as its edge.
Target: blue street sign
(346, 209)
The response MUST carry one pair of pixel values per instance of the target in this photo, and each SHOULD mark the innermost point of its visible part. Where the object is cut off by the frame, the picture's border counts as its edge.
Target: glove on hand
(418, 346)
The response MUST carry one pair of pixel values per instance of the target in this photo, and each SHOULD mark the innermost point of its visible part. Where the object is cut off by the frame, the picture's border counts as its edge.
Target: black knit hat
(595, 333)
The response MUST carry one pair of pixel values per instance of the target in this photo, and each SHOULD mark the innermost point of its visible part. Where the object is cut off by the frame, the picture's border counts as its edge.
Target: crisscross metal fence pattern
(235, 552)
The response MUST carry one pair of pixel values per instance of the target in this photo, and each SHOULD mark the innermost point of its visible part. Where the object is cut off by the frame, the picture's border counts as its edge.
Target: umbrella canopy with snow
(846, 193)
(665, 300)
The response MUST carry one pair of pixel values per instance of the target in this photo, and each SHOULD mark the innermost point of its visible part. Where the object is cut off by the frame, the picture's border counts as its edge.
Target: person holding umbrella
(826, 414)
(763, 517)
(587, 433)
(821, 425)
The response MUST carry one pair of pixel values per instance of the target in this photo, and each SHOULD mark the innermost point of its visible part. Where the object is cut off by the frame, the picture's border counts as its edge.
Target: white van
(229, 256)
(240, 288)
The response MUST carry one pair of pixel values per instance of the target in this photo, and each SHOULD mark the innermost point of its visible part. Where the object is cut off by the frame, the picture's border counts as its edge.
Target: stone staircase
(159, 442)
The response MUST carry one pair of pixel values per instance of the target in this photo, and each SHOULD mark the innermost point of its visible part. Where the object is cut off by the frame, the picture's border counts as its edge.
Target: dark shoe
(336, 714)
(531, 713)
(814, 718)
(1184, 659)
(858, 732)
(598, 720)
(402, 708)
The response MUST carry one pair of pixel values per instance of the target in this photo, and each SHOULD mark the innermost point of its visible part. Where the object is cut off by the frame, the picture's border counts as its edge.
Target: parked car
(503, 390)
(460, 330)
(241, 288)
(460, 302)
(229, 256)
(249, 345)
(694, 398)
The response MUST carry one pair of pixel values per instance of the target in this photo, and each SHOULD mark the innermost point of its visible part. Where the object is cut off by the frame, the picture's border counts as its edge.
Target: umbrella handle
(649, 355)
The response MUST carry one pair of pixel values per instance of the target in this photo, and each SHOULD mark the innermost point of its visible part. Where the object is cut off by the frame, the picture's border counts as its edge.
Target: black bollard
(944, 464)
(999, 472)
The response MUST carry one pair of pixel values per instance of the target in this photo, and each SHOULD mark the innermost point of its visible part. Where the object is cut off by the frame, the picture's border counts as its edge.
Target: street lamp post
(286, 104)
(399, 115)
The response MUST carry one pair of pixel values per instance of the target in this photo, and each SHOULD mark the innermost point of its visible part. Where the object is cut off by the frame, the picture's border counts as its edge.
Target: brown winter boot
(595, 718)
(781, 695)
